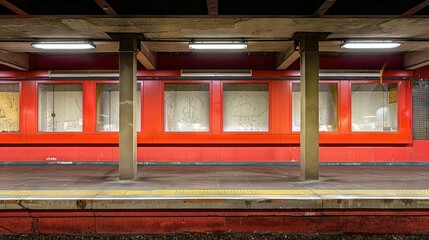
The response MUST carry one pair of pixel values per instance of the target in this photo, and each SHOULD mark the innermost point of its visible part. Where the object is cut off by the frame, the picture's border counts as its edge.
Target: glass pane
(245, 107)
(186, 107)
(374, 107)
(108, 107)
(9, 107)
(60, 108)
(328, 103)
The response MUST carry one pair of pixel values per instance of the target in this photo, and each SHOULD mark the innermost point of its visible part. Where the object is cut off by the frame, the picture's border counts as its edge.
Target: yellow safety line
(208, 192)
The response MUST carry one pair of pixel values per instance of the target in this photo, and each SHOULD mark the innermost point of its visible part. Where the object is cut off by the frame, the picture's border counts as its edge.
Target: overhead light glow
(369, 44)
(217, 45)
(64, 45)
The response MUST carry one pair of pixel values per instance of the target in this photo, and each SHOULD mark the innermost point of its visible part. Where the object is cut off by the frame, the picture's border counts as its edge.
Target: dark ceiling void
(424, 11)
(371, 7)
(59, 7)
(6, 11)
(159, 7)
(268, 7)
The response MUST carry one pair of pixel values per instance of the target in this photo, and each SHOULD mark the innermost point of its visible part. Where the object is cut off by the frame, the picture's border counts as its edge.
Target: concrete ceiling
(268, 26)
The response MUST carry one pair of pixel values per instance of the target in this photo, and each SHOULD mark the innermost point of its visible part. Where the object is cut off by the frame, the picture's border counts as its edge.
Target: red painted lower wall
(202, 221)
(416, 152)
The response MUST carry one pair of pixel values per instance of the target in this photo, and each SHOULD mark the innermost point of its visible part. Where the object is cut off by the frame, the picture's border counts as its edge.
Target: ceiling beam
(14, 8)
(146, 57)
(106, 7)
(324, 8)
(415, 9)
(213, 7)
(287, 57)
(18, 61)
(414, 60)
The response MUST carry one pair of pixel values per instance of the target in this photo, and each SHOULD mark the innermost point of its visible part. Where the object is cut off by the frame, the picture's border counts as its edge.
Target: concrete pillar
(127, 107)
(309, 134)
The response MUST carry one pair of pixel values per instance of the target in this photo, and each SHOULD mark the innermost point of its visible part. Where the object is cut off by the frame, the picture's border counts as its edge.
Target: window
(186, 107)
(9, 107)
(108, 107)
(328, 102)
(245, 107)
(374, 107)
(60, 107)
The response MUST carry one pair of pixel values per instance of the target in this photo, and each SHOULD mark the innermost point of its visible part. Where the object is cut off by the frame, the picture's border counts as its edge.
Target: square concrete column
(127, 107)
(309, 134)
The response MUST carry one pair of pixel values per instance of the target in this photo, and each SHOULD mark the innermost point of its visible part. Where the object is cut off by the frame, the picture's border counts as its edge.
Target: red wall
(280, 144)
(415, 152)
(216, 61)
(280, 131)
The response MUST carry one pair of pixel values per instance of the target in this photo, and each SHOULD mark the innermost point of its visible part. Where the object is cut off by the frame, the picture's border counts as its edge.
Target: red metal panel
(422, 73)
(152, 115)
(216, 62)
(89, 111)
(365, 154)
(67, 62)
(210, 154)
(227, 154)
(420, 151)
(204, 221)
(357, 62)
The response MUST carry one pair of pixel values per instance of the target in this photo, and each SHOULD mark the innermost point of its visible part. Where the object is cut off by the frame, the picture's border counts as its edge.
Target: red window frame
(270, 112)
(13, 136)
(210, 83)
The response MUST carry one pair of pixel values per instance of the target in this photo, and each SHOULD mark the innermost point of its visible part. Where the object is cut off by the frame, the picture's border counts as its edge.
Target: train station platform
(175, 198)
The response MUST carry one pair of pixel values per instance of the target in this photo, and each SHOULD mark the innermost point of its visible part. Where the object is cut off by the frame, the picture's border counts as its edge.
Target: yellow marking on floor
(209, 192)
(112, 192)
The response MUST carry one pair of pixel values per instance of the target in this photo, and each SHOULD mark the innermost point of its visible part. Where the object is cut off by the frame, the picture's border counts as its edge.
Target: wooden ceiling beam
(415, 9)
(324, 8)
(146, 57)
(106, 7)
(19, 61)
(213, 7)
(287, 57)
(14, 8)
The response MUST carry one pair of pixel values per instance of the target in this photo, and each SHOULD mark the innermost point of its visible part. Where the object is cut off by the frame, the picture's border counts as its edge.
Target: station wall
(278, 143)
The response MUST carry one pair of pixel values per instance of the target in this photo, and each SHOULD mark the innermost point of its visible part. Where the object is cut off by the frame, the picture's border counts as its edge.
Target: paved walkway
(248, 187)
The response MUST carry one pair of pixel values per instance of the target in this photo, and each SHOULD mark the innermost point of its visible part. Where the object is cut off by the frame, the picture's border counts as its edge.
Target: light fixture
(217, 45)
(64, 45)
(369, 44)
(216, 73)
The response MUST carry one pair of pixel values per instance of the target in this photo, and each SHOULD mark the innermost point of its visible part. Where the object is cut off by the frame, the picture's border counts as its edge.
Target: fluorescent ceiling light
(64, 45)
(217, 45)
(369, 44)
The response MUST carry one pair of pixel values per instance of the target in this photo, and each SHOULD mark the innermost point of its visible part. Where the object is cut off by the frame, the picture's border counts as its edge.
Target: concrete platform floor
(178, 186)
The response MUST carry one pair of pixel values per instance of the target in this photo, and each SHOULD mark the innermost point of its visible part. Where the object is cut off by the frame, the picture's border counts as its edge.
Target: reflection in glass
(374, 107)
(108, 107)
(245, 107)
(60, 108)
(328, 102)
(9, 107)
(186, 107)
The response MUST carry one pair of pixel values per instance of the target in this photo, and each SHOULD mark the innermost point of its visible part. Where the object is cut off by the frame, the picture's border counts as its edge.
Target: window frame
(339, 99)
(399, 105)
(211, 114)
(270, 106)
(20, 108)
(82, 83)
